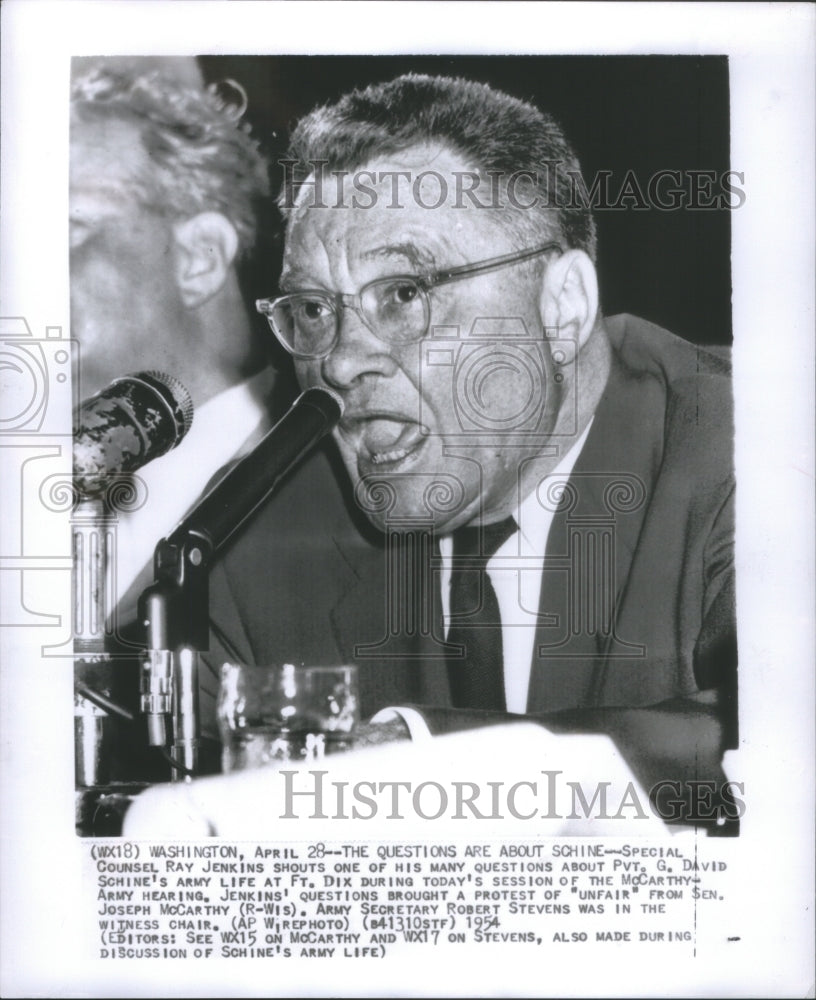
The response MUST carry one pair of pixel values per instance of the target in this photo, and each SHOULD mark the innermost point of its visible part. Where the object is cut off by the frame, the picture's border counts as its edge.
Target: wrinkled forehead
(415, 198)
(425, 175)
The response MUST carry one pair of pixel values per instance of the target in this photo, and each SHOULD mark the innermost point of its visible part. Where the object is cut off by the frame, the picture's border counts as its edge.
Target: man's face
(125, 305)
(446, 422)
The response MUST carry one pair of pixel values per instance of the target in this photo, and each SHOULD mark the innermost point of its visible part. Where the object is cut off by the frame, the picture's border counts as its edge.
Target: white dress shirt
(223, 428)
(516, 571)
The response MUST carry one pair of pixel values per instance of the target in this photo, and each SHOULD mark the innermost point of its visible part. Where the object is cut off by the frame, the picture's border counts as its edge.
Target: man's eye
(399, 293)
(312, 310)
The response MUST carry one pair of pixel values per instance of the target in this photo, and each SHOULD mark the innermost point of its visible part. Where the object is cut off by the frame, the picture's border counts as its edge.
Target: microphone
(135, 419)
(175, 609)
(222, 511)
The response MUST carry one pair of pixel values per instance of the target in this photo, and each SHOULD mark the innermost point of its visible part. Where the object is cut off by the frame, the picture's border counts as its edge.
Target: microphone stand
(136, 418)
(94, 547)
(92, 529)
(175, 610)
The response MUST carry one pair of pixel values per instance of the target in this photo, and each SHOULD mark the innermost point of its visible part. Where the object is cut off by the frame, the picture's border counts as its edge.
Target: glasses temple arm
(466, 270)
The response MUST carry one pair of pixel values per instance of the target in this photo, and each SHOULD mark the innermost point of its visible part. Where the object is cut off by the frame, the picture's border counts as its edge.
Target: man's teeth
(390, 456)
(388, 441)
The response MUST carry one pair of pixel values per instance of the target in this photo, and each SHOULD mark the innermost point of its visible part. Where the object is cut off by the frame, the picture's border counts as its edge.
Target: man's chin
(390, 507)
(404, 522)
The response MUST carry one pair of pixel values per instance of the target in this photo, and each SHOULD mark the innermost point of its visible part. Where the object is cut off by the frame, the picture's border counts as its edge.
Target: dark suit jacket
(637, 601)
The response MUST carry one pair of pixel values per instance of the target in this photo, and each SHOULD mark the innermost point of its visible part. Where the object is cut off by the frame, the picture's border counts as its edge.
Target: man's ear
(569, 296)
(206, 245)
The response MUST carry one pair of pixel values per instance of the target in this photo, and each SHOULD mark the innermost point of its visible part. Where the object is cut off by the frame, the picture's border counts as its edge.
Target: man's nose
(358, 353)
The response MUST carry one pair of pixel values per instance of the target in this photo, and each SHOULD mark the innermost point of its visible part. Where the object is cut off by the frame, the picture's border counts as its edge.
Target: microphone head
(175, 394)
(326, 400)
(135, 419)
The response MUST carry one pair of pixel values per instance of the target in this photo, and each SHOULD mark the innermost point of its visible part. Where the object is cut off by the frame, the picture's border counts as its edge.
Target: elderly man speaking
(536, 513)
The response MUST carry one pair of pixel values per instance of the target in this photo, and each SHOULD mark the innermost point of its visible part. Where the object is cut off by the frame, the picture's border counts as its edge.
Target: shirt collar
(533, 520)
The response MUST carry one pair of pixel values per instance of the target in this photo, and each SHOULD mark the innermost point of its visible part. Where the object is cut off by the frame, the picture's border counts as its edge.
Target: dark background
(639, 113)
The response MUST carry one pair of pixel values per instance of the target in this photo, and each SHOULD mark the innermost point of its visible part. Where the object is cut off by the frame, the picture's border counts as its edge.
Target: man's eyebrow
(290, 280)
(420, 260)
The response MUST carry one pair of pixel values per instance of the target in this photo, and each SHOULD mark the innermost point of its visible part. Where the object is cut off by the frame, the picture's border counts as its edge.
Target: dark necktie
(477, 678)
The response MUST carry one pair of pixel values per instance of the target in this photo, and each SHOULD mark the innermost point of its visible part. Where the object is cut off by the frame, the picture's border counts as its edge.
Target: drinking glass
(285, 714)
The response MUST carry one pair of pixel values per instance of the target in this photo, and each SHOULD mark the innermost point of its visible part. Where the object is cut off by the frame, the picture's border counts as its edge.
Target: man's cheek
(307, 374)
(347, 454)
(96, 305)
(431, 398)
(103, 282)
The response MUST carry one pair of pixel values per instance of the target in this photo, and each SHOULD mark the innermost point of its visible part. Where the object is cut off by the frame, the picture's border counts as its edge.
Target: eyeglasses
(396, 309)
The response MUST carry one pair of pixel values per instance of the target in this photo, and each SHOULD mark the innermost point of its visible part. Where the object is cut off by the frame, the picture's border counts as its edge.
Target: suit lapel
(228, 634)
(591, 544)
(389, 621)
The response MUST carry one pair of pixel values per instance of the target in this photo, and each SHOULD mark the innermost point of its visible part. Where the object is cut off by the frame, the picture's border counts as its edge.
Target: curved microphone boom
(219, 514)
(135, 419)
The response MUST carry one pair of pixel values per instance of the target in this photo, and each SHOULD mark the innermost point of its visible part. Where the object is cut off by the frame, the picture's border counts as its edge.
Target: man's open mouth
(387, 441)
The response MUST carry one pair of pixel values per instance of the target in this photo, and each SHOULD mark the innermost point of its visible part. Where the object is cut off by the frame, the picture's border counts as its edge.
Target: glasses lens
(305, 324)
(396, 309)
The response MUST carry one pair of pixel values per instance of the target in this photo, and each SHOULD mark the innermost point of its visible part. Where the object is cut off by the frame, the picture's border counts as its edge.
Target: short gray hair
(497, 133)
